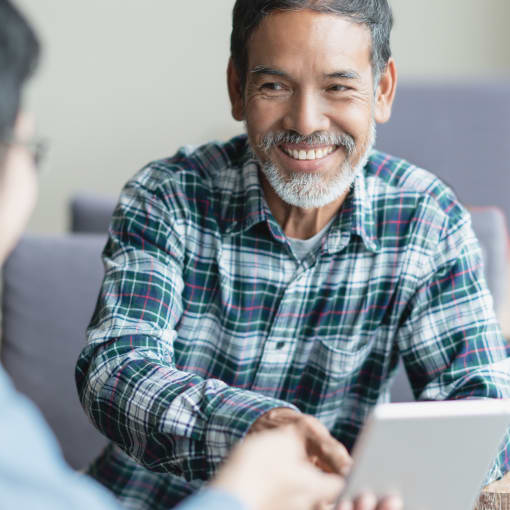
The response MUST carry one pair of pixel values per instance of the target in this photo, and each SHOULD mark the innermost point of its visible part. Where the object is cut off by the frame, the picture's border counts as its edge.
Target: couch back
(50, 286)
(51, 283)
(460, 132)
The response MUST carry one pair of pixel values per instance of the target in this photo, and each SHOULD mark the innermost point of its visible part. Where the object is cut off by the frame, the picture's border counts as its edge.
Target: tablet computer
(433, 454)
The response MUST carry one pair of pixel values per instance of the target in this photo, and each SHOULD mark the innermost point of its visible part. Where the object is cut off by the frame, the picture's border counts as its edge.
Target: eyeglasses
(38, 148)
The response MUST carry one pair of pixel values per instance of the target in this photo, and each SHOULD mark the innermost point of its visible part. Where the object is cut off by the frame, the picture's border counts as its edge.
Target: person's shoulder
(195, 165)
(416, 191)
(187, 182)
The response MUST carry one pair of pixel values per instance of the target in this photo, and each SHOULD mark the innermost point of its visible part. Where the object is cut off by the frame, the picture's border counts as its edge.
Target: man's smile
(303, 152)
(307, 158)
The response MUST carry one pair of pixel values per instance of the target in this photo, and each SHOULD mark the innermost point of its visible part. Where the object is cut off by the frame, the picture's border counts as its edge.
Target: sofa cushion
(490, 228)
(50, 285)
(91, 213)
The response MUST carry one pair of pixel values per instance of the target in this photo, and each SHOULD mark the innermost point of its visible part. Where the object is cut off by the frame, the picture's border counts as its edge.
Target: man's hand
(270, 471)
(322, 449)
(369, 502)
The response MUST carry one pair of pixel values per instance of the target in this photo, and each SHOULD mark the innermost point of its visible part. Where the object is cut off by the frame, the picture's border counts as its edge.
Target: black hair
(375, 14)
(19, 54)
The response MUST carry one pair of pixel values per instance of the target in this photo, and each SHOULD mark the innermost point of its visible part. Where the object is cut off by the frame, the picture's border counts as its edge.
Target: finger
(313, 459)
(324, 506)
(391, 503)
(334, 457)
(366, 501)
(323, 488)
(345, 505)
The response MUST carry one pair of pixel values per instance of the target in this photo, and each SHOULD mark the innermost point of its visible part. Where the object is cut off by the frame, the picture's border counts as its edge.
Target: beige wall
(126, 81)
(452, 39)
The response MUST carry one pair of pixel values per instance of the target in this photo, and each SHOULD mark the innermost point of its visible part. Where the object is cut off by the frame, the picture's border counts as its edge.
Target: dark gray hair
(19, 53)
(375, 14)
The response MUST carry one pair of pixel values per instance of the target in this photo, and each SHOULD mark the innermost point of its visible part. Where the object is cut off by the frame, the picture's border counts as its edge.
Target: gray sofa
(50, 284)
(459, 131)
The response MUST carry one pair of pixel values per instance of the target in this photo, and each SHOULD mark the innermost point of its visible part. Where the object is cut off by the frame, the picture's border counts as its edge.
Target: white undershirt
(303, 247)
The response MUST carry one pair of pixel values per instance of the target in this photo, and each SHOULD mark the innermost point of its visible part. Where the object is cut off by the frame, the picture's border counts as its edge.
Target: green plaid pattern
(206, 318)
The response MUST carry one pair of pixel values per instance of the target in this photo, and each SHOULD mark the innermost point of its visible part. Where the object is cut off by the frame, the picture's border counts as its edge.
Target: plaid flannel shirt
(206, 318)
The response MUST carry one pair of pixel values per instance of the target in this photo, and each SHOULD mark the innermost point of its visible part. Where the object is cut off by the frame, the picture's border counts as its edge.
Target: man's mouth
(302, 154)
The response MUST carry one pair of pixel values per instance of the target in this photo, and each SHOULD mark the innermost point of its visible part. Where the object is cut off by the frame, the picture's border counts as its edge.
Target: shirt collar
(355, 217)
(252, 208)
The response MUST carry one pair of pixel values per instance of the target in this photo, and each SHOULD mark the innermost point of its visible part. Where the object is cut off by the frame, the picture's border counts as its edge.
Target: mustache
(276, 138)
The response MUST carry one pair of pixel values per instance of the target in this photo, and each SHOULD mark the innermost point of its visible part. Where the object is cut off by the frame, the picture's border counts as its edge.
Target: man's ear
(235, 91)
(385, 93)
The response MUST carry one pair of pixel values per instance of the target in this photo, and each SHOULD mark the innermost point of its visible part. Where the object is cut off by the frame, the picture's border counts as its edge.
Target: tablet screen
(434, 454)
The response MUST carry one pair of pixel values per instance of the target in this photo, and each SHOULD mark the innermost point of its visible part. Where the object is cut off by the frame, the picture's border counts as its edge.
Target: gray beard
(310, 191)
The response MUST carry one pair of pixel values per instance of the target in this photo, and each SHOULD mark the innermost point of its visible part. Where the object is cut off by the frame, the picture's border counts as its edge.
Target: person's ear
(235, 91)
(385, 93)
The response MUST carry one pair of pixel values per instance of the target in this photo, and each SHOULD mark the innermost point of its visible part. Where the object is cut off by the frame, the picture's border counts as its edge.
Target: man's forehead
(330, 40)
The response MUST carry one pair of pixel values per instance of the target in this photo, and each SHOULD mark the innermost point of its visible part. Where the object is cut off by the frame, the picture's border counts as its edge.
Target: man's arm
(271, 471)
(128, 382)
(450, 340)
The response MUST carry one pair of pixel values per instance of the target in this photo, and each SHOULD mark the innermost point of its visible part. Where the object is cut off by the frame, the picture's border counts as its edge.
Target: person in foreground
(33, 473)
(277, 278)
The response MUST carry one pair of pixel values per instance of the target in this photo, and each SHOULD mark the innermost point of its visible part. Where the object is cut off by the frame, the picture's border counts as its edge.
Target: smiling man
(277, 278)
(310, 106)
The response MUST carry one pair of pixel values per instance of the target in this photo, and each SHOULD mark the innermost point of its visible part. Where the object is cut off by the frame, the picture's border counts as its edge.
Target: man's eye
(272, 87)
(338, 88)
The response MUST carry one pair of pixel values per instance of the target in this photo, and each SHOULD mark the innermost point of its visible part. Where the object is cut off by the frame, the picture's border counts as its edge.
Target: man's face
(309, 103)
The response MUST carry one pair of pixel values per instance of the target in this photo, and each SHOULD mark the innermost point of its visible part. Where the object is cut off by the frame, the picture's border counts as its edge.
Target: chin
(309, 190)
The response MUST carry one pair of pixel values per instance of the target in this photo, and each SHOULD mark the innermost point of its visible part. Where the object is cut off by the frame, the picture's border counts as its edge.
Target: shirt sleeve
(449, 339)
(212, 499)
(33, 473)
(168, 419)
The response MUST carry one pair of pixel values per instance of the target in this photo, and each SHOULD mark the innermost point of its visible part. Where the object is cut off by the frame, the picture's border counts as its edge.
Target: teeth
(310, 155)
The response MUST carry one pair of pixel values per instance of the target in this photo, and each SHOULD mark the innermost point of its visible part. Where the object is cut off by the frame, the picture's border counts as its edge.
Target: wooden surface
(493, 501)
(496, 496)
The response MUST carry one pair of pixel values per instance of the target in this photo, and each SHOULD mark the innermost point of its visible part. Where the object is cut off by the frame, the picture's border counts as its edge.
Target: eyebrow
(342, 75)
(269, 70)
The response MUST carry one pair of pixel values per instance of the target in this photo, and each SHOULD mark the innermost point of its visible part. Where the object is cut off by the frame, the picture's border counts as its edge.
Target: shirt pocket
(330, 372)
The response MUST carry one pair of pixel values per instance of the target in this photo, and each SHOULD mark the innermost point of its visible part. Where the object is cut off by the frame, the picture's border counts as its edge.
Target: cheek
(263, 116)
(18, 194)
(354, 119)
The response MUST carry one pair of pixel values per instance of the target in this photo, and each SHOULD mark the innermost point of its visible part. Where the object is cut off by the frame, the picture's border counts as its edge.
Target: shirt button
(280, 346)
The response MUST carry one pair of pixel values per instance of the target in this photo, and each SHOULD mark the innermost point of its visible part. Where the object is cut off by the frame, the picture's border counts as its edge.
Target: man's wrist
(232, 419)
(277, 417)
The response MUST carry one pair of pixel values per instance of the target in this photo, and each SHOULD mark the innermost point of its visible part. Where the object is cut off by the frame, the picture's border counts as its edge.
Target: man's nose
(306, 114)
